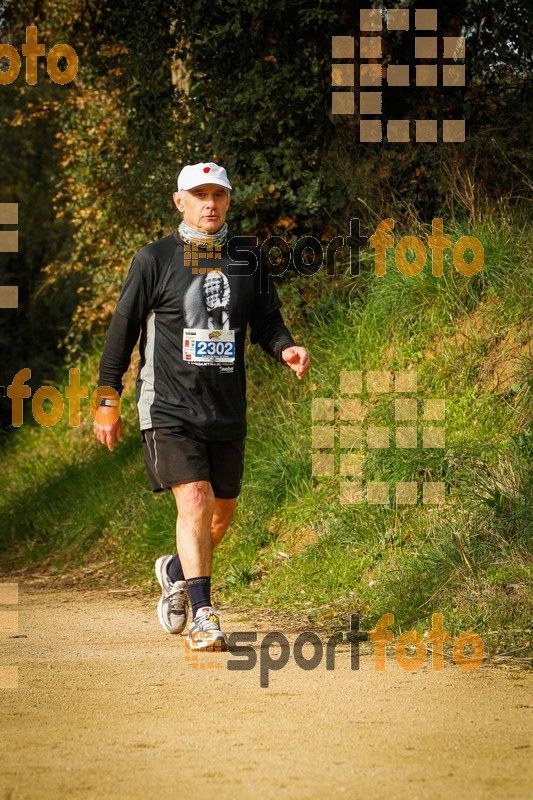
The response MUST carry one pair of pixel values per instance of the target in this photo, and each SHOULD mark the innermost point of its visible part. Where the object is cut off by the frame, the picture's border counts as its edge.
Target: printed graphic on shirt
(207, 338)
(206, 302)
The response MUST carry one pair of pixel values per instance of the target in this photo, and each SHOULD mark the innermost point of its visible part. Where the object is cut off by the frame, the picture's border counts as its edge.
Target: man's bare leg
(202, 521)
(196, 506)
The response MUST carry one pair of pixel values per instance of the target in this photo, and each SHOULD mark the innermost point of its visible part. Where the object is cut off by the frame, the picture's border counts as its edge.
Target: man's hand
(108, 426)
(298, 359)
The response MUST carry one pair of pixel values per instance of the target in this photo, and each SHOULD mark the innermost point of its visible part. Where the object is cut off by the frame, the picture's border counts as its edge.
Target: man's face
(204, 207)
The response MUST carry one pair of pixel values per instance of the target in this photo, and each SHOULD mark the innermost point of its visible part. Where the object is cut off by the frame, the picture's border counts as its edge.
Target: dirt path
(107, 707)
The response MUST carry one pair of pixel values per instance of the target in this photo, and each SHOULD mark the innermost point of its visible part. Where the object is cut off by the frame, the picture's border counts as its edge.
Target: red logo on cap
(207, 169)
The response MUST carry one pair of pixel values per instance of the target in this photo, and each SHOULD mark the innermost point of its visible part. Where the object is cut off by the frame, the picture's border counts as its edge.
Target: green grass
(293, 546)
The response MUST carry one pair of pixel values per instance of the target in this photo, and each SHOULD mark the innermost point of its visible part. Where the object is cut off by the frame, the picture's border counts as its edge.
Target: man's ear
(178, 201)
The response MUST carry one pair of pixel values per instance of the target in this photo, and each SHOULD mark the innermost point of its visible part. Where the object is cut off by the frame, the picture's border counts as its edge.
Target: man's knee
(195, 497)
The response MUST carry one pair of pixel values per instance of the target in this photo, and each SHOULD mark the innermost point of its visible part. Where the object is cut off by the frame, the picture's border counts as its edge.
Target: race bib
(203, 346)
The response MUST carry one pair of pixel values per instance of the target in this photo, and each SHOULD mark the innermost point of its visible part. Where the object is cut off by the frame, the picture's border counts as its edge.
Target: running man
(191, 303)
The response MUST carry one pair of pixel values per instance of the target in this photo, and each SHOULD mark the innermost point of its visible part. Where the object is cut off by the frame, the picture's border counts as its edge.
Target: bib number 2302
(209, 346)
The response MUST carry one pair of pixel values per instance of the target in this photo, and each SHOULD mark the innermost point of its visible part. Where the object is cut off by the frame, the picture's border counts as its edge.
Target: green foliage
(258, 83)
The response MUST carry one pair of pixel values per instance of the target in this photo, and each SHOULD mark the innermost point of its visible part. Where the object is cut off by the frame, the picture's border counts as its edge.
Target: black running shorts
(173, 456)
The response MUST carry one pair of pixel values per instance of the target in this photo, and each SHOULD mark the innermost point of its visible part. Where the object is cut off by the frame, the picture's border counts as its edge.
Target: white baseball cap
(197, 174)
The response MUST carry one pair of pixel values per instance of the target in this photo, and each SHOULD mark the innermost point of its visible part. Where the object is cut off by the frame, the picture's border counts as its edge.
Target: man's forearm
(274, 336)
(121, 339)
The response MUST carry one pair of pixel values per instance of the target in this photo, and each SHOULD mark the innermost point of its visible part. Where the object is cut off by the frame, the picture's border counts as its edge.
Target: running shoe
(204, 631)
(173, 606)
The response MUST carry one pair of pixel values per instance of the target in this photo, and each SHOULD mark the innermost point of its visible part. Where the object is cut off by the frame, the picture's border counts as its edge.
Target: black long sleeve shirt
(193, 319)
